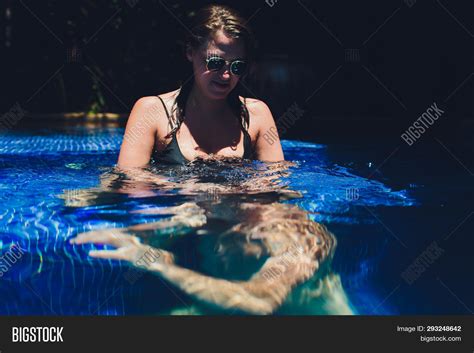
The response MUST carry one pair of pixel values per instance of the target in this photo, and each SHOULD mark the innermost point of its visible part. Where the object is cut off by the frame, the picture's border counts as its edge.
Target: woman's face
(216, 84)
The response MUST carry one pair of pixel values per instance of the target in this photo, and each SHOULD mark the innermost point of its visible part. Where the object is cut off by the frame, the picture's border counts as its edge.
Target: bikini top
(171, 154)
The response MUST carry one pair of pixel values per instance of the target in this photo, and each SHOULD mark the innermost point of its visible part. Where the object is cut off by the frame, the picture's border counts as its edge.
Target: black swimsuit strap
(164, 106)
(168, 115)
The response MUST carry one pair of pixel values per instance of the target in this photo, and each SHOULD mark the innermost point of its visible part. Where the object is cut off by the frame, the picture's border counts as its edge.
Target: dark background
(363, 72)
(355, 67)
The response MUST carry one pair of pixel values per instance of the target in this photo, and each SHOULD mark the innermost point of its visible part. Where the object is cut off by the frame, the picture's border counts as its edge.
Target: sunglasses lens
(238, 67)
(215, 64)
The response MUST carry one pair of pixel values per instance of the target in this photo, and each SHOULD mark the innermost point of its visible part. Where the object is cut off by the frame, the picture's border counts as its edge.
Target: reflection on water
(237, 245)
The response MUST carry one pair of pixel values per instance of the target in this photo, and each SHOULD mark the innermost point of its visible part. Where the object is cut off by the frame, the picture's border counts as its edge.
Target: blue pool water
(383, 219)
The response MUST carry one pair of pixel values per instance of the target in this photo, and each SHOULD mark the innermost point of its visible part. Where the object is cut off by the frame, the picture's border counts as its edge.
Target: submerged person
(205, 117)
(295, 250)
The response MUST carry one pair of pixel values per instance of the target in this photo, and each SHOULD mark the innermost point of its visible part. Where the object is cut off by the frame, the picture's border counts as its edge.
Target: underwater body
(60, 182)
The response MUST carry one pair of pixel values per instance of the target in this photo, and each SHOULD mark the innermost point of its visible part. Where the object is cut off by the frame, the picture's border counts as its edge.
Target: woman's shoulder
(149, 112)
(169, 97)
(256, 107)
(156, 101)
(259, 112)
(151, 107)
(253, 103)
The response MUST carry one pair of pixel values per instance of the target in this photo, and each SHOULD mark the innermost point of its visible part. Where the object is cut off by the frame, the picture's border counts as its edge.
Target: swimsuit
(172, 153)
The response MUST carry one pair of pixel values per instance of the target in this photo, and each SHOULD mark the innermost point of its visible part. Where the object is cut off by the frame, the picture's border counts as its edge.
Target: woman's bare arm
(267, 146)
(262, 294)
(139, 137)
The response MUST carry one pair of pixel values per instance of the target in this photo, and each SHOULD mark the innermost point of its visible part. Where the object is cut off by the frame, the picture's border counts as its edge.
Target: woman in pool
(205, 117)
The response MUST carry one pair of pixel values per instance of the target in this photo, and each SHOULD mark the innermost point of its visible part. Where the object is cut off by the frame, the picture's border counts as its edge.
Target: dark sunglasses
(216, 63)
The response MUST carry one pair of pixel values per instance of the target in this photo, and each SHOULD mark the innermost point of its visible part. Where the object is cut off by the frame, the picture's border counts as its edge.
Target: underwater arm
(262, 294)
(184, 219)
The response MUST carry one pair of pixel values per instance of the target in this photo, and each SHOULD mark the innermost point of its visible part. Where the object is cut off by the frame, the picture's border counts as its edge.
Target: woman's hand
(128, 248)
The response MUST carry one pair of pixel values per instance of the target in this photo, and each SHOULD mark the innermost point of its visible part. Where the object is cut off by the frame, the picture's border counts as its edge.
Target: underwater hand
(128, 248)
